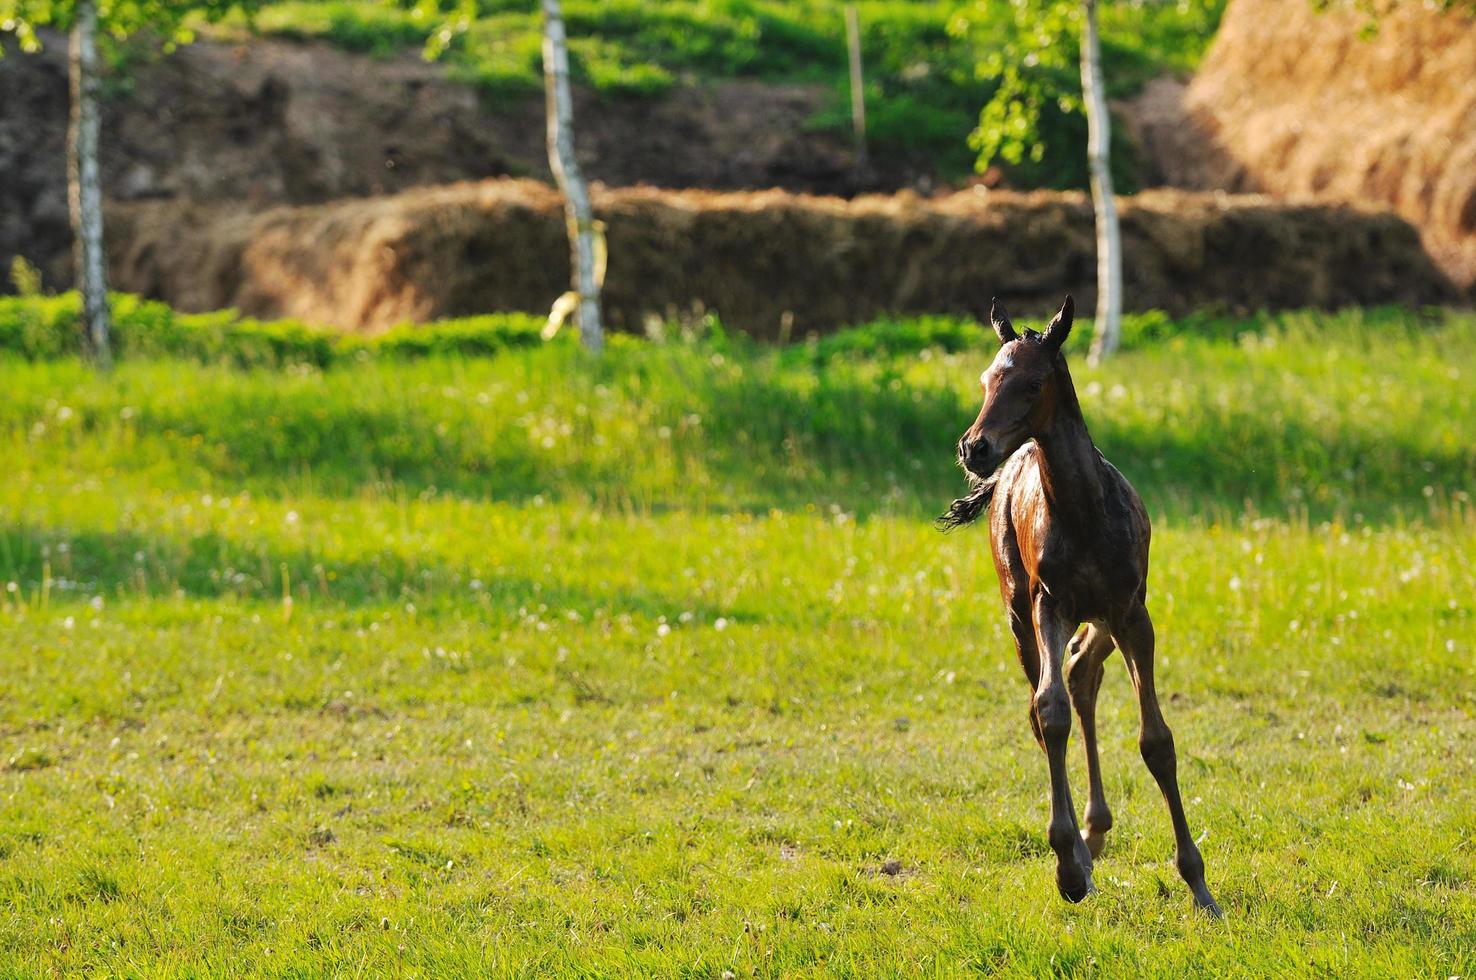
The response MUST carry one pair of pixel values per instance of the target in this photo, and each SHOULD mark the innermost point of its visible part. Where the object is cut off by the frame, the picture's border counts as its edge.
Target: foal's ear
(1059, 328)
(1000, 321)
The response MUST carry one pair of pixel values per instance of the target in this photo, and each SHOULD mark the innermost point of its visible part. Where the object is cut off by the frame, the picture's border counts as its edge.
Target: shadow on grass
(75, 566)
(853, 434)
(1286, 469)
(763, 442)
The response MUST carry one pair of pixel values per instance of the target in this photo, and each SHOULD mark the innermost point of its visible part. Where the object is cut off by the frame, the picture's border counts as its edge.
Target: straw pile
(1300, 104)
(767, 262)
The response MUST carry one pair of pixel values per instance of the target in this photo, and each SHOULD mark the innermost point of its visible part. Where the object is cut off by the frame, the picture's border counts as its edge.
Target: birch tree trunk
(858, 92)
(577, 213)
(84, 184)
(1109, 237)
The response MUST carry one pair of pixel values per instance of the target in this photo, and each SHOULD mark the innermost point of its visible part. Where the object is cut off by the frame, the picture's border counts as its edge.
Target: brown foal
(1070, 542)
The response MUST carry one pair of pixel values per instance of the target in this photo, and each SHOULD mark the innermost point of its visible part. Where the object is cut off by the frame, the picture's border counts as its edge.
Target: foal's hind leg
(1135, 636)
(1088, 649)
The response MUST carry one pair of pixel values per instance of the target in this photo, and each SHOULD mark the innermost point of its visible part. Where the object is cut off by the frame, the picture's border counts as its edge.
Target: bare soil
(276, 122)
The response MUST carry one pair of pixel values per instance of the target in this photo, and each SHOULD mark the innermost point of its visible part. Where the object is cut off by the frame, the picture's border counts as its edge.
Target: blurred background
(295, 160)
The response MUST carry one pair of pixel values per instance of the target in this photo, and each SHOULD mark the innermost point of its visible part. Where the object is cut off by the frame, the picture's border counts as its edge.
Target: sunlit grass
(531, 664)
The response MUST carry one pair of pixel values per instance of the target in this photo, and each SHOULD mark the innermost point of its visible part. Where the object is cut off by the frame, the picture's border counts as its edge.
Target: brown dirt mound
(760, 259)
(274, 122)
(1298, 104)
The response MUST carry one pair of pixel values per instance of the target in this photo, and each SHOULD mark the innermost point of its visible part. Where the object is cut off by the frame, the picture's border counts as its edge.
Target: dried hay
(767, 261)
(1299, 104)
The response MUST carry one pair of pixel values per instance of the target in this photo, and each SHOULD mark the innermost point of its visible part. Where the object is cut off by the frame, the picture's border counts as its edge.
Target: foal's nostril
(972, 451)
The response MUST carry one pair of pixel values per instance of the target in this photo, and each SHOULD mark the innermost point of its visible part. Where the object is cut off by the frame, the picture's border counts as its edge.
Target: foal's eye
(1035, 386)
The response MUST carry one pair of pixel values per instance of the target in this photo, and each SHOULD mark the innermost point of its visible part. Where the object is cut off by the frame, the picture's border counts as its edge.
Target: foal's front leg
(1053, 717)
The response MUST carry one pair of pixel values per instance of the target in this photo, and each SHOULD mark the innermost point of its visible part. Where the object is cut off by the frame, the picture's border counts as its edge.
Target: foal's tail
(964, 510)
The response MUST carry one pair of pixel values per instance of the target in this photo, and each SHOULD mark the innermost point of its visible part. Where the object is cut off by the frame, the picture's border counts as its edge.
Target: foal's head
(1020, 391)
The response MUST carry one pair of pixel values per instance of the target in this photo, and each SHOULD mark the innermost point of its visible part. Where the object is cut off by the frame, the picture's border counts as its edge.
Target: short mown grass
(528, 663)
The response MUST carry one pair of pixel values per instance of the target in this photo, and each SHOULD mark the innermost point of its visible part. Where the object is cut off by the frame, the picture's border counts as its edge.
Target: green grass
(923, 95)
(531, 664)
(38, 327)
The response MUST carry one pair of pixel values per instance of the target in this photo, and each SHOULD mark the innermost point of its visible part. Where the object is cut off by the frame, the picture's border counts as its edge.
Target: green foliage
(43, 328)
(537, 664)
(374, 29)
(1032, 60)
(170, 20)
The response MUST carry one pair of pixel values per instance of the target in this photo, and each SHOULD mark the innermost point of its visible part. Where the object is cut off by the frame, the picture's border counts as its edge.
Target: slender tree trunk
(858, 92)
(84, 185)
(1109, 237)
(577, 212)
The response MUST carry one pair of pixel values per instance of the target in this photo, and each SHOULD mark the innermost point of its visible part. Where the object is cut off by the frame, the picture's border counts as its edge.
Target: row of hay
(768, 262)
(1294, 102)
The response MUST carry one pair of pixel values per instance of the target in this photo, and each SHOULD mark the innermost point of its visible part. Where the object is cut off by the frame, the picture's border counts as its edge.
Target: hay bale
(1298, 103)
(766, 261)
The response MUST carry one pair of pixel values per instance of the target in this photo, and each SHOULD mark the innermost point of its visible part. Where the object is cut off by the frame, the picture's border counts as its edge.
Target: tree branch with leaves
(1044, 39)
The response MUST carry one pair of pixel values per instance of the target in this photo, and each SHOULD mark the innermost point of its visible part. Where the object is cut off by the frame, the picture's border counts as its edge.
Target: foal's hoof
(1208, 906)
(1095, 841)
(1073, 883)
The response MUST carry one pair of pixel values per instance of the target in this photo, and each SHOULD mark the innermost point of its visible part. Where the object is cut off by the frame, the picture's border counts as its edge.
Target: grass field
(527, 664)
(923, 94)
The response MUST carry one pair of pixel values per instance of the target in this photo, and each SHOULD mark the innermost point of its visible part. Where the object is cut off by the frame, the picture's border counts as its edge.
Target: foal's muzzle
(975, 455)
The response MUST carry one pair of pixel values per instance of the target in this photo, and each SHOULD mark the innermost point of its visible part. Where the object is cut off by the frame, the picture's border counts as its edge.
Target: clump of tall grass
(38, 327)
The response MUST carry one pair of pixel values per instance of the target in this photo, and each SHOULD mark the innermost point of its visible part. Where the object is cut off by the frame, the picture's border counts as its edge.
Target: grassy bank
(525, 663)
(920, 57)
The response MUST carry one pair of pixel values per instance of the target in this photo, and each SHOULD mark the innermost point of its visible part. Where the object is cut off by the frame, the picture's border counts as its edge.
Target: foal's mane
(965, 510)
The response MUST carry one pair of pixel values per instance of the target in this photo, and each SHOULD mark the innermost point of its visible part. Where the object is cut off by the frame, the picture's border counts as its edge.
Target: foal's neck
(1071, 475)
